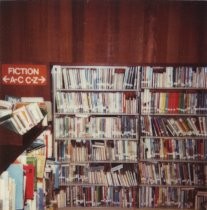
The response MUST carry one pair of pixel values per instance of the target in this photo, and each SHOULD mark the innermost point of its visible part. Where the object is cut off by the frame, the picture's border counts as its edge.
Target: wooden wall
(101, 32)
(97, 32)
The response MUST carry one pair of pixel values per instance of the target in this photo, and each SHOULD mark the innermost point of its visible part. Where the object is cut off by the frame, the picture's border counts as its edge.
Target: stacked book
(20, 117)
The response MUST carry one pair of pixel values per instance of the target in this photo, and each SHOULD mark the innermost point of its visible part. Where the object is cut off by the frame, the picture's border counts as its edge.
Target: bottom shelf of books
(142, 198)
(97, 186)
(97, 196)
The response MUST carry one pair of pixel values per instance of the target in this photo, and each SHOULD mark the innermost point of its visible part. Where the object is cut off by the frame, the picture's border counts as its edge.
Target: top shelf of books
(96, 78)
(174, 77)
(109, 78)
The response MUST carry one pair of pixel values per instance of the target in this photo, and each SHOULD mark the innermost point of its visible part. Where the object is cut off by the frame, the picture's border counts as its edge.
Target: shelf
(173, 89)
(175, 137)
(98, 90)
(83, 114)
(174, 114)
(16, 144)
(97, 161)
(174, 186)
(89, 185)
(94, 139)
(154, 160)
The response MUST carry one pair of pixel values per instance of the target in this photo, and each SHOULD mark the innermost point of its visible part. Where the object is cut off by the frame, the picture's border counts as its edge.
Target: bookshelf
(173, 141)
(130, 137)
(96, 134)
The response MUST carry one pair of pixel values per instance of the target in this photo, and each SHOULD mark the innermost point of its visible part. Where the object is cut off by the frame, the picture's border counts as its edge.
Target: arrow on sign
(6, 79)
(42, 79)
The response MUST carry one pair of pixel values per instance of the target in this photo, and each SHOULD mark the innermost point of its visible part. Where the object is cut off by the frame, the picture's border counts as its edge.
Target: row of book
(174, 126)
(173, 102)
(77, 173)
(80, 151)
(93, 102)
(118, 175)
(96, 77)
(173, 149)
(172, 173)
(96, 127)
(98, 196)
(23, 117)
(165, 197)
(126, 178)
(168, 77)
(67, 77)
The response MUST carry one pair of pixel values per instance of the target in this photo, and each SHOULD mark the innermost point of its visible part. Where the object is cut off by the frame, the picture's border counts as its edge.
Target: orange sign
(24, 74)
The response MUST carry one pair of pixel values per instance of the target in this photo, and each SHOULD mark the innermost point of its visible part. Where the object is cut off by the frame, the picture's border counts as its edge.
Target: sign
(24, 74)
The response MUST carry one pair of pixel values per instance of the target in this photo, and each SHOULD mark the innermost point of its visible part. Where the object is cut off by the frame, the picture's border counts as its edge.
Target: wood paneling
(100, 32)
(103, 32)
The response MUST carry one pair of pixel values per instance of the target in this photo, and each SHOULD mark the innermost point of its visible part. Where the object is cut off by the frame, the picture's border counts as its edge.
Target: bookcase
(96, 133)
(130, 136)
(173, 146)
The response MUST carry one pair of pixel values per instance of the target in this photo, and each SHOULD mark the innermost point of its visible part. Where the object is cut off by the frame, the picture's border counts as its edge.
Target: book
(32, 99)
(36, 144)
(5, 114)
(29, 173)
(4, 191)
(10, 124)
(19, 124)
(23, 115)
(5, 110)
(5, 104)
(12, 99)
(34, 112)
(41, 160)
(33, 161)
(15, 170)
